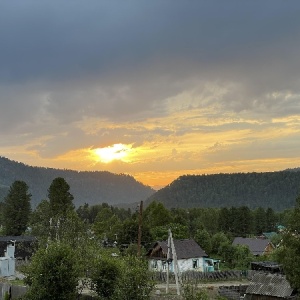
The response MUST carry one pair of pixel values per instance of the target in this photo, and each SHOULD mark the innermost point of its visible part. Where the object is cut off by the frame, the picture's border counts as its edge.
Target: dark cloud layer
(58, 40)
(65, 61)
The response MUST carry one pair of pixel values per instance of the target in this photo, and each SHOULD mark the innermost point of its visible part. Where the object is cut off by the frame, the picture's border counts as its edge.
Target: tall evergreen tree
(224, 223)
(260, 221)
(61, 200)
(271, 220)
(245, 221)
(17, 209)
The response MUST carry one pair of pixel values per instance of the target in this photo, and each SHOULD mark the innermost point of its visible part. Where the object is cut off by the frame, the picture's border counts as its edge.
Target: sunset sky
(155, 89)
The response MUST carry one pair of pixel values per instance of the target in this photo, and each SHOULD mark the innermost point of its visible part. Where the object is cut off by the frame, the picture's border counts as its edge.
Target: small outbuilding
(266, 266)
(190, 257)
(24, 246)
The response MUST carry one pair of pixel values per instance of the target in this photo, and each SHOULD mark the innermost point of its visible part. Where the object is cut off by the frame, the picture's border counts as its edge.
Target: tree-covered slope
(277, 190)
(3, 191)
(86, 187)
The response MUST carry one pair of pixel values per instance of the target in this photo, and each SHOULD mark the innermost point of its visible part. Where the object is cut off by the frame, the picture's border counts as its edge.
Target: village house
(190, 257)
(257, 246)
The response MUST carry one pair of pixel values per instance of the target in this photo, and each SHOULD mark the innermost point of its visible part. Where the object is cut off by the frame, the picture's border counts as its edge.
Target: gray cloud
(64, 61)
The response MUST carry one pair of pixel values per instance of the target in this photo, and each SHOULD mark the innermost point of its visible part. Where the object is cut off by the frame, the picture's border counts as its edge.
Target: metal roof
(256, 246)
(275, 285)
(186, 248)
(21, 238)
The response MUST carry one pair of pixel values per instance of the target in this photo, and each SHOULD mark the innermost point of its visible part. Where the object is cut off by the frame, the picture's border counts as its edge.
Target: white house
(7, 263)
(190, 257)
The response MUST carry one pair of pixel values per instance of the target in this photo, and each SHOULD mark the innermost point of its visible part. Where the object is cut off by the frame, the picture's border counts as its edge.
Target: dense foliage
(276, 190)
(121, 278)
(289, 251)
(53, 273)
(104, 277)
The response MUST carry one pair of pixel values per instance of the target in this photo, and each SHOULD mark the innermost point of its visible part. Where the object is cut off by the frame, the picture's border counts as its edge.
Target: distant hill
(86, 187)
(277, 190)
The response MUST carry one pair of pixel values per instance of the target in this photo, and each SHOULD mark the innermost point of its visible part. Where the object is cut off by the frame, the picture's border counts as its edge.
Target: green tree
(105, 274)
(83, 212)
(53, 273)
(243, 221)
(192, 292)
(157, 215)
(128, 233)
(135, 283)
(180, 216)
(243, 257)
(203, 218)
(17, 209)
(203, 238)
(260, 220)
(289, 252)
(217, 240)
(61, 200)
(39, 221)
(271, 220)
(227, 253)
(179, 231)
(70, 230)
(225, 223)
(209, 219)
(107, 224)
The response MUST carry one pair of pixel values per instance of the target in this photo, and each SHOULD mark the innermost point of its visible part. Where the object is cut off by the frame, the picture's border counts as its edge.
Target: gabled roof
(275, 285)
(19, 238)
(256, 246)
(269, 235)
(186, 248)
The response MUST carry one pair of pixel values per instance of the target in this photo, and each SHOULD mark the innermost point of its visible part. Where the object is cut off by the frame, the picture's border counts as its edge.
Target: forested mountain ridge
(86, 187)
(277, 190)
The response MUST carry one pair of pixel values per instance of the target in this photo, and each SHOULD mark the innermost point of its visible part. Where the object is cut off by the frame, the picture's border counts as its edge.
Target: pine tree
(17, 209)
(61, 200)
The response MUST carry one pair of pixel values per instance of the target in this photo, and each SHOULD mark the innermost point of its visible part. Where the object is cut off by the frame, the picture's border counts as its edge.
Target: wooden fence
(195, 277)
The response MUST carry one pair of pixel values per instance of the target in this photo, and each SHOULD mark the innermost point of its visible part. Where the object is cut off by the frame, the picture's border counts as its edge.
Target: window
(195, 263)
(154, 264)
(164, 265)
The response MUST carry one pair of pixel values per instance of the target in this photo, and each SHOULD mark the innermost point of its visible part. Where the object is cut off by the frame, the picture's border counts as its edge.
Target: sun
(114, 152)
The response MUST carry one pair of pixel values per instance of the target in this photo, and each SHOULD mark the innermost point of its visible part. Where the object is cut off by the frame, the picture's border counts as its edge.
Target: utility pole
(176, 268)
(168, 261)
(140, 229)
